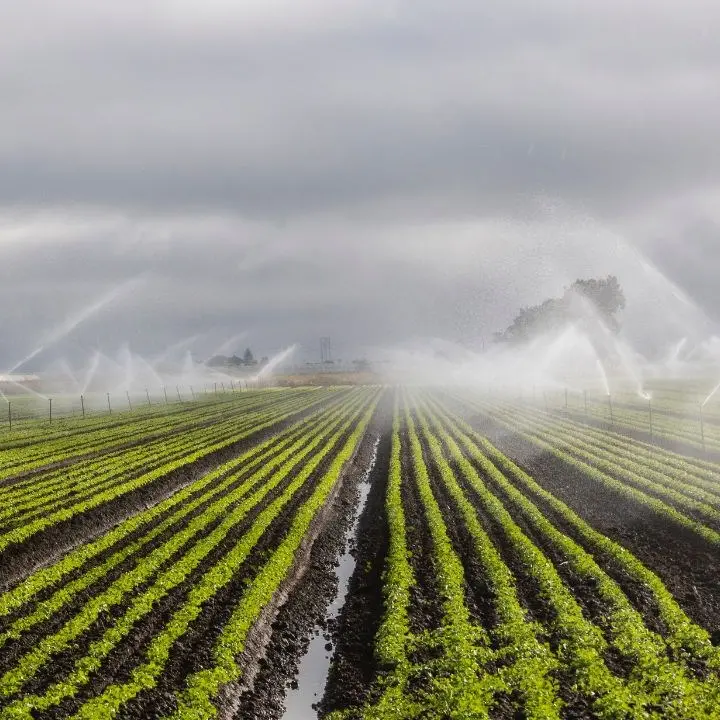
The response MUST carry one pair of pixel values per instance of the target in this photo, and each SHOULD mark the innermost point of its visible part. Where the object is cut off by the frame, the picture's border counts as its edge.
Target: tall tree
(604, 297)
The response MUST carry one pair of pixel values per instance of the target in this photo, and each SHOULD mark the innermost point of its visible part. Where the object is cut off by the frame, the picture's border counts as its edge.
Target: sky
(371, 171)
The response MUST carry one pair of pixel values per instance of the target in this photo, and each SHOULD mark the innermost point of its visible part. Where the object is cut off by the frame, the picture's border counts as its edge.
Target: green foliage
(605, 296)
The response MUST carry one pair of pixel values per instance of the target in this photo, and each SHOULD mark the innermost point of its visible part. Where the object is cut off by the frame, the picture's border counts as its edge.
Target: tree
(248, 357)
(605, 294)
(604, 297)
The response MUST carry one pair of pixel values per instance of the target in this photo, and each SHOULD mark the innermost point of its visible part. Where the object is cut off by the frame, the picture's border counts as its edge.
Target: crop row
(682, 487)
(49, 490)
(473, 664)
(124, 486)
(662, 498)
(112, 436)
(199, 558)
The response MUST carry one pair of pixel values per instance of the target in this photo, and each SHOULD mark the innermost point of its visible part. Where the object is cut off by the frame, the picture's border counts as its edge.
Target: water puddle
(315, 664)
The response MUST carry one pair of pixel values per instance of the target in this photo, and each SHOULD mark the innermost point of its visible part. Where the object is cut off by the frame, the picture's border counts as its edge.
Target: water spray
(72, 322)
(710, 396)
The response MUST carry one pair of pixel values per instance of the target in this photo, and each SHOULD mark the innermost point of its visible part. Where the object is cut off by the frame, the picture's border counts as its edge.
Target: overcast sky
(373, 171)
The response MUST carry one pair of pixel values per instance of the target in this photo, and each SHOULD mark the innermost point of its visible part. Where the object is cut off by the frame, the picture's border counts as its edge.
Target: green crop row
(21, 534)
(116, 437)
(687, 642)
(624, 490)
(679, 493)
(228, 508)
(654, 676)
(116, 441)
(202, 687)
(692, 471)
(526, 664)
(83, 481)
(270, 456)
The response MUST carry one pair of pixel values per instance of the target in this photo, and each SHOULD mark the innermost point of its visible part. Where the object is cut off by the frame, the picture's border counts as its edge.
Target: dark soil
(425, 609)
(193, 652)
(353, 667)
(240, 475)
(688, 565)
(479, 596)
(661, 441)
(304, 612)
(114, 449)
(48, 545)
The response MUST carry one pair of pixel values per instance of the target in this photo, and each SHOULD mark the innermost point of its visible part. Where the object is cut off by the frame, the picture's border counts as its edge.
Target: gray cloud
(362, 169)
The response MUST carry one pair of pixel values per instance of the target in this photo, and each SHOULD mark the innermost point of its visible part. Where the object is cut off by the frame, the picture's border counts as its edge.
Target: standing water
(315, 664)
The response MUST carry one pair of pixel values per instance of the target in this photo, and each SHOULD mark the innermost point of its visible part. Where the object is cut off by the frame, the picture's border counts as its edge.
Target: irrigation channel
(366, 552)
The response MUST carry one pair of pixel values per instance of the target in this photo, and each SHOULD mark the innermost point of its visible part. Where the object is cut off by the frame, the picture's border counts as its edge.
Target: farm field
(503, 558)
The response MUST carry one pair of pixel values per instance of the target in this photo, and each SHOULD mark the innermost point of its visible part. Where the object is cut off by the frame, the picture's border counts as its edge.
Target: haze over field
(375, 172)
